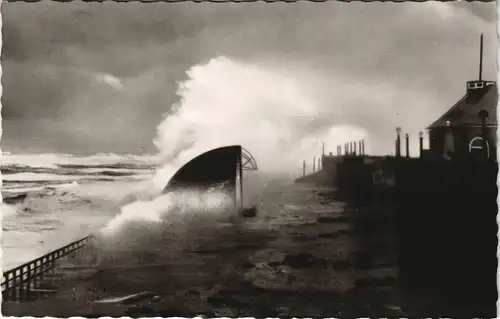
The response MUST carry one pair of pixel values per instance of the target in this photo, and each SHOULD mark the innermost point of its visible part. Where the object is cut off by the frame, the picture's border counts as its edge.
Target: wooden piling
(420, 143)
(398, 142)
(407, 137)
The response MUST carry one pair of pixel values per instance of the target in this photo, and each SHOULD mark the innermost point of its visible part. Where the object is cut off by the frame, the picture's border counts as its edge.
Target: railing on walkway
(31, 271)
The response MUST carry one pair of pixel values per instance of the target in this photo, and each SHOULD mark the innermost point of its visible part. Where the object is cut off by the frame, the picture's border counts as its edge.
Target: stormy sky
(97, 77)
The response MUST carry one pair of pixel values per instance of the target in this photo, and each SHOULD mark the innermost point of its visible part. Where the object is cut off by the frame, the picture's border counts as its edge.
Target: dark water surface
(304, 255)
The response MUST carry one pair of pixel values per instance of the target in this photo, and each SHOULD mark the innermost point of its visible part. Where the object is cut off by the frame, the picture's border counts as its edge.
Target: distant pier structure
(466, 131)
(443, 200)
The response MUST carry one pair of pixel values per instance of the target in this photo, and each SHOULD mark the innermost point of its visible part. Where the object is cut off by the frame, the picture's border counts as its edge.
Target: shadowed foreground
(304, 255)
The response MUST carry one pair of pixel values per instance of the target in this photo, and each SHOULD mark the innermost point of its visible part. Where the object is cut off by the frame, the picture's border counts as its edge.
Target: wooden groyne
(26, 279)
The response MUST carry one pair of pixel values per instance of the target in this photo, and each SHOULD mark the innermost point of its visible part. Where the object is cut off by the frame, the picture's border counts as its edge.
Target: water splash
(228, 102)
(168, 209)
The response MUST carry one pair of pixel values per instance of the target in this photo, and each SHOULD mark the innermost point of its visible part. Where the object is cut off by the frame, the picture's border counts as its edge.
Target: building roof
(480, 95)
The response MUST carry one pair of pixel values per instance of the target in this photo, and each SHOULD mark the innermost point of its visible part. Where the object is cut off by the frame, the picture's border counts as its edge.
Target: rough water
(52, 199)
(305, 254)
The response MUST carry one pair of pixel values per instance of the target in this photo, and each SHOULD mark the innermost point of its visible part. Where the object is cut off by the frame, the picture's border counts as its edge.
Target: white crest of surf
(170, 208)
(52, 160)
(227, 102)
(8, 210)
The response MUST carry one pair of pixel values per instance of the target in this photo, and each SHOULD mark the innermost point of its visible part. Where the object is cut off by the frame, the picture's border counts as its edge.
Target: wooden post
(7, 281)
(398, 142)
(481, 58)
(420, 143)
(20, 284)
(319, 164)
(314, 164)
(304, 168)
(407, 137)
(241, 180)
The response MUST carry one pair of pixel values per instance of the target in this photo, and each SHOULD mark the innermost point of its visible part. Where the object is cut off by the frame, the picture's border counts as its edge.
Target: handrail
(20, 275)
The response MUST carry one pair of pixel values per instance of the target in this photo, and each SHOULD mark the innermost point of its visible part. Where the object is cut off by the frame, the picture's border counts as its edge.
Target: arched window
(477, 144)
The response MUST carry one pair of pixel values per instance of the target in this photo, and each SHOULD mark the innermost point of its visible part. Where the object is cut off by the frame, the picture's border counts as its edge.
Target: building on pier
(468, 128)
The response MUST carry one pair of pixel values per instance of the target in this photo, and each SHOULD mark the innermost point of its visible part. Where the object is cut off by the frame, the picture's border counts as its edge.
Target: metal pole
(304, 168)
(314, 164)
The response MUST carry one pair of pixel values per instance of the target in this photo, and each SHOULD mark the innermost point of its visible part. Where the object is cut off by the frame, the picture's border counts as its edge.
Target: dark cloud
(53, 54)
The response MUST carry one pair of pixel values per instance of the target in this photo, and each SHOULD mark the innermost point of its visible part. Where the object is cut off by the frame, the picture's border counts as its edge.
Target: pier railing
(24, 274)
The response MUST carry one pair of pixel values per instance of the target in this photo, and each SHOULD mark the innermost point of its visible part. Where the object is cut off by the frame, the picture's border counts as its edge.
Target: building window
(477, 145)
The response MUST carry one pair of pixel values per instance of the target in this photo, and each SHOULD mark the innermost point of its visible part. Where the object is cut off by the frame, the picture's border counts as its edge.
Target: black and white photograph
(254, 159)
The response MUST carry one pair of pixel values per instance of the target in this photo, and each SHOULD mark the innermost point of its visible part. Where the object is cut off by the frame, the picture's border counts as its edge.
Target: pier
(444, 213)
(444, 200)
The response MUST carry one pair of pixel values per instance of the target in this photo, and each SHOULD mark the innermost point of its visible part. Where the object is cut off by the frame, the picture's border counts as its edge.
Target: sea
(305, 253)
(50, 200)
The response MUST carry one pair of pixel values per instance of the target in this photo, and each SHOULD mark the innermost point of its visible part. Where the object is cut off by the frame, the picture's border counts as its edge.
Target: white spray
(227, 102)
